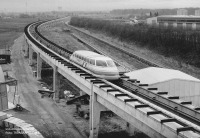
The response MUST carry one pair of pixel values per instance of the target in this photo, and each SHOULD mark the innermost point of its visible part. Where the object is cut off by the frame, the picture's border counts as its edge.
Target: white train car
(101, 66)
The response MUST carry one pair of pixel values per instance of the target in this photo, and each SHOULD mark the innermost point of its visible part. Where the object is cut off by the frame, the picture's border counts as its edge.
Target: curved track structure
(130, 99)
(181, 108)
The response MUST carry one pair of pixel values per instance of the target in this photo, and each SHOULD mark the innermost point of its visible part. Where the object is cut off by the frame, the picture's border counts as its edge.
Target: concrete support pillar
(130, 129)
(3, 97)
(95, 111)
(56, 83)
(39, 66)
(194, 26)
(82, 93)
(30, 56)
(25, 48)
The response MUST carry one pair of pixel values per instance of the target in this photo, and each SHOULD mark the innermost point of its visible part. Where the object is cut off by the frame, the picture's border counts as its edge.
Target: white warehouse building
(175, 82)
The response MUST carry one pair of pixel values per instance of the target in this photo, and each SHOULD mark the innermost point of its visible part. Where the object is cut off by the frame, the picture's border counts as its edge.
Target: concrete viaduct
(104, 97)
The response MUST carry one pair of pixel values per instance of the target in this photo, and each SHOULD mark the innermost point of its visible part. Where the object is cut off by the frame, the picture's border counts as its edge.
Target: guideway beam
(95, 112)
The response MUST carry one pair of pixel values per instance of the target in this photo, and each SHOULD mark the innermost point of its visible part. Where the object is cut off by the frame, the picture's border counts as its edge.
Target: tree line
(171, 42)
(191, 11)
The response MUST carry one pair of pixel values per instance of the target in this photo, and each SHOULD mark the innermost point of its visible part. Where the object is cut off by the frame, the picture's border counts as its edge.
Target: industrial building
(182, 12)
(197, 12)
(175, 82)
(180, 21)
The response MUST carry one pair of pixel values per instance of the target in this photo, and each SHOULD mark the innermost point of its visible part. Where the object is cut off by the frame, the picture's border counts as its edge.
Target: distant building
(197, 12)
(5, 56)
(182, 12)
(7, 17)
(147, 14)
(189, 22)
(152, 21)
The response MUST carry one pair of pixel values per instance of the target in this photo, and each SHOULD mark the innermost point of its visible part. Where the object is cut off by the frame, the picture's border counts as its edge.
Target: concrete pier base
(130, 129)
(56, 83)
(30, 56)
(95, 112)
(39, 66)
(25, 48)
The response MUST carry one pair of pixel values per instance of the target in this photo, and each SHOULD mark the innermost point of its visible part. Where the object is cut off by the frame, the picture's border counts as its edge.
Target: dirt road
(42, 113)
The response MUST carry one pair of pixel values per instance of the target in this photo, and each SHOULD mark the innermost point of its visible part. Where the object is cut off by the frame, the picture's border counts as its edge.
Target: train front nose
(110, 71)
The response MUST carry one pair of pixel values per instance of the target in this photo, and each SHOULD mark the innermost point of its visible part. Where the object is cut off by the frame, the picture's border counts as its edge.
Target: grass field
(12, 28)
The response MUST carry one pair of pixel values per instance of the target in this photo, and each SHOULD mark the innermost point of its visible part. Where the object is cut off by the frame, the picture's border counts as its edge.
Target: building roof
(179, 16)
(154, 75)
(2, 79)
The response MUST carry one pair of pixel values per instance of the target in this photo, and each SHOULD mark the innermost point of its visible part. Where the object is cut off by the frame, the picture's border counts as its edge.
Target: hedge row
(180, 43)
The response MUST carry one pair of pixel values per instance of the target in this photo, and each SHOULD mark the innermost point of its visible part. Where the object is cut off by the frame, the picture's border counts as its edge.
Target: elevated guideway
(148, 117)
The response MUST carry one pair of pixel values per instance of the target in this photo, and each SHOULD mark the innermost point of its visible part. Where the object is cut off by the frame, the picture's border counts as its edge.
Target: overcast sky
(91, 5)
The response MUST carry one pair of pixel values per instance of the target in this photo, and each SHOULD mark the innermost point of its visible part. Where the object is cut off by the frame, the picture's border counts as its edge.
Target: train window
(87, 60)
(101, 63)
(110, 63)
(92, 61)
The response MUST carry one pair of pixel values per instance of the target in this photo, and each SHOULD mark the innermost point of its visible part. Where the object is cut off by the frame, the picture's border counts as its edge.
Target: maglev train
(100, 66)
